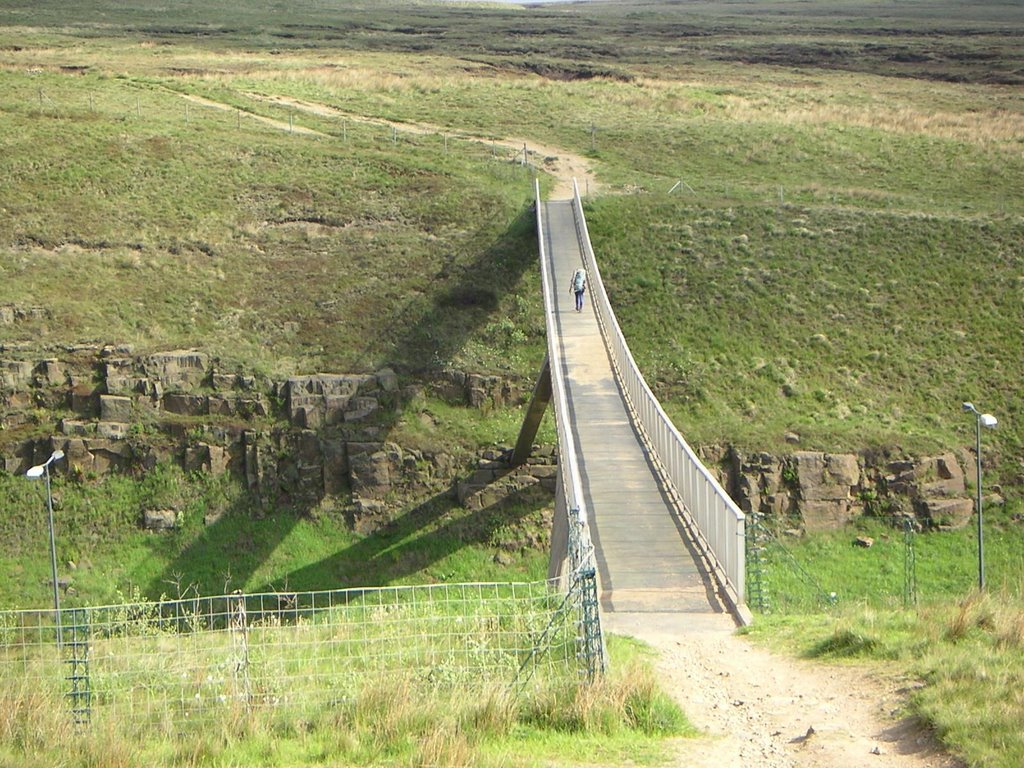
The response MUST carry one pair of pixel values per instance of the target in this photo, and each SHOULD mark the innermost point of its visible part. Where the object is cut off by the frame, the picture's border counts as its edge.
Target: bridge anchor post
(534, 413)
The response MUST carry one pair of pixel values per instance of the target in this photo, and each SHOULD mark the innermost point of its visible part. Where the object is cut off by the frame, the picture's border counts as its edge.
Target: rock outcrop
(821, 491)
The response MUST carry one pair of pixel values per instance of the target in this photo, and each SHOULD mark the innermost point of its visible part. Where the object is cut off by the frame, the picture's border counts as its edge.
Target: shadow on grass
(228, 552)
(426, 535)
(460, 299)
(844, 644)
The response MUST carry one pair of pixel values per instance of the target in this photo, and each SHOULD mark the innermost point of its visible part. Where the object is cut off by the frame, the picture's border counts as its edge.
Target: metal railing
(580, 555)
(716, 521)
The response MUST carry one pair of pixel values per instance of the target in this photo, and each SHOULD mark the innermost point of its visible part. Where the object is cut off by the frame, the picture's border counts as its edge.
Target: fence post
(757, 594)
(909, 565)
(591, 640)
(77, 647)
(240, 641)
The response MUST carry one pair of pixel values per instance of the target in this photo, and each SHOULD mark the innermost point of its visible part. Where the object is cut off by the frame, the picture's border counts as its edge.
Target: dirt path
(280, 125)
(762, 710)
(564, 166)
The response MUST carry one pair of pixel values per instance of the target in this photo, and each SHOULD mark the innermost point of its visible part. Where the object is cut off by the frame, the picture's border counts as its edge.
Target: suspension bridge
(645, 542)
(634, 501)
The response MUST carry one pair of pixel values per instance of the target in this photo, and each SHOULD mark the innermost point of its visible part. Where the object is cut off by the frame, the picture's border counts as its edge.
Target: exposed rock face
(494, 480)
(476, 390)
(756, 483)
(295, 442)
(936, 489)
(318, 437)
(316, 401)
(15, 374)
(822, 491)
(115, 408)
(12, 314)
(828, 484)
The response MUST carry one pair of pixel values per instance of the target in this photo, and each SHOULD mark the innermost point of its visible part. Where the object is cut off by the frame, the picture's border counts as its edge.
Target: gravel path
(758, 709)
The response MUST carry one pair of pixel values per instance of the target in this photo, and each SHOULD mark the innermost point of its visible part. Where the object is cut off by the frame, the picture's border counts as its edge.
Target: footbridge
(634, 501)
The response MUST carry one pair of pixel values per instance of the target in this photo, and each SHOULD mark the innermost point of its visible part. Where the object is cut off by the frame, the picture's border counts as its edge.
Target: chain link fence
(171, 664)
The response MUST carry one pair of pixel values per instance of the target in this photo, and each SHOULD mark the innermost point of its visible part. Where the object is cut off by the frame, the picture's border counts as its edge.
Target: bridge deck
(646, 561)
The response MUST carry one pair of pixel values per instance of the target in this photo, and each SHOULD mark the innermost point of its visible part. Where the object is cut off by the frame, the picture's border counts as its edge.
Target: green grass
(385, 721)
(962, 657)
(250, 547)
(300, 252)
(850, 329)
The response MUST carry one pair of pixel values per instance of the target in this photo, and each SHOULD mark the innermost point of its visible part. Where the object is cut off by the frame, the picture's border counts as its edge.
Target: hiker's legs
(579, 300)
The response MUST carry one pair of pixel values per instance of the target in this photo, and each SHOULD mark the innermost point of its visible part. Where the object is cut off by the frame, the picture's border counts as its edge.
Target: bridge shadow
(231, 551)
(459, 300)
(412, 543)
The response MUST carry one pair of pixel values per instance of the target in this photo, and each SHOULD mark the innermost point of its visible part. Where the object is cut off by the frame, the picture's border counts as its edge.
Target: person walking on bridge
(578, 286)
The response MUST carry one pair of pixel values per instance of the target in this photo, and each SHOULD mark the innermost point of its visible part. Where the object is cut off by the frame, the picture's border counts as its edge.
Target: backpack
(579, 280)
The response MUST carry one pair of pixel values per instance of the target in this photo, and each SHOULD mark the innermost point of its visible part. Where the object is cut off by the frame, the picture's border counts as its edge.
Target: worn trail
(762, 710)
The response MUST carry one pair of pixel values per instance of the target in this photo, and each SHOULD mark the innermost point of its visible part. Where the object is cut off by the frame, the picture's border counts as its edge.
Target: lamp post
(38, 471)
(988, 421)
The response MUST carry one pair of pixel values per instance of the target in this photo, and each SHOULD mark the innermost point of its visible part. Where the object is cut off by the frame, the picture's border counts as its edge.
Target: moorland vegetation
(809, 222)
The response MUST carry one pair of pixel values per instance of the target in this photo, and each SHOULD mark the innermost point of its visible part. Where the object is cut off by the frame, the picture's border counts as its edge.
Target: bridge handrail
(719, 522)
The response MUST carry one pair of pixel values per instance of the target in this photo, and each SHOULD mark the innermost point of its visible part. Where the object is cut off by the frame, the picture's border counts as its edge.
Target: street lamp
(988, 421)
(38, 471)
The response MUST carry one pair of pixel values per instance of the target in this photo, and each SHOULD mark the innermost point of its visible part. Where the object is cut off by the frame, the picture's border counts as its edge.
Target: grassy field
(383, 721)
(848, 229)
(841, 255)
(433, 540)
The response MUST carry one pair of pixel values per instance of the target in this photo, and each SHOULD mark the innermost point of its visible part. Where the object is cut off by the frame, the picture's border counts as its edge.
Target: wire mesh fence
(884, 561)
(171, 664)
(787, 573)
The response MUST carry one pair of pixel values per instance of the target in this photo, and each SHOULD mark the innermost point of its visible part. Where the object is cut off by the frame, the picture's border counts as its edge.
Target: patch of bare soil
(758, 709)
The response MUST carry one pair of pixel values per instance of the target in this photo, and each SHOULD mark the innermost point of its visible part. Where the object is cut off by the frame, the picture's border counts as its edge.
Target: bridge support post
(534, 413)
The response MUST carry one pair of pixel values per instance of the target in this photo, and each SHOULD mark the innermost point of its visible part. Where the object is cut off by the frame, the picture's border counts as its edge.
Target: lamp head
(36, 471)
(988, 420)
(57, 455)
(969, 407)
